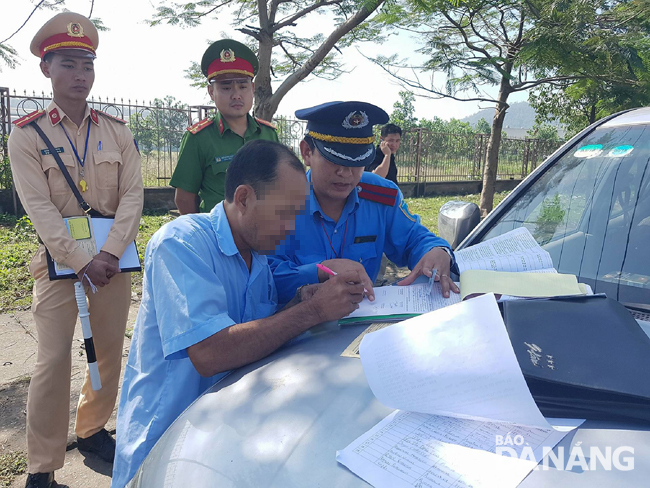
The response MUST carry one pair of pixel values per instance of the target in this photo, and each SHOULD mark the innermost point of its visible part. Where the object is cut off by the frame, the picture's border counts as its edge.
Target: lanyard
(74, 149)
(345, 234)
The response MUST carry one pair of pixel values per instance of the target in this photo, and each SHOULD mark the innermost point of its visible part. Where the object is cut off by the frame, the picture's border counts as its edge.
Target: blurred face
(274, 214)
(393, 141)
(331, 182)
(232, 94)
(72, 76)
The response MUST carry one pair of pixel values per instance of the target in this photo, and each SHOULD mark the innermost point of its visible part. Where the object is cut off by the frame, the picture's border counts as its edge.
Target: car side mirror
(456, 220)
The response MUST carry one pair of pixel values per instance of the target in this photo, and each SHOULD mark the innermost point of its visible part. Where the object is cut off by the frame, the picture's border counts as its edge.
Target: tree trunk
(492, 155)
(267, 102)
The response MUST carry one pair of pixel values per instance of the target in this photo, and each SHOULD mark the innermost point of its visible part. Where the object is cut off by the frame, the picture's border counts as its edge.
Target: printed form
(457, 384)
(514, 251)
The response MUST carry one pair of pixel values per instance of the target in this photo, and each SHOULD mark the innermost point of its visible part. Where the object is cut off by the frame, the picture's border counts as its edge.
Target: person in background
(209, 145)
(102, 159)
(384, 162)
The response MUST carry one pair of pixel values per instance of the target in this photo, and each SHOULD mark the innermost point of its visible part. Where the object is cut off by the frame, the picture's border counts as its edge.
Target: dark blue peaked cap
(342, 131)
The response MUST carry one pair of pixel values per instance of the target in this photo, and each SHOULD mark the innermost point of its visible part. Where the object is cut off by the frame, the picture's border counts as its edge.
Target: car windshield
(591, 212)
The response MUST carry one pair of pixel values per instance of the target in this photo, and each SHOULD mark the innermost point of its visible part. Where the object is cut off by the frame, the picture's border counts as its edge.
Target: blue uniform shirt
(375, 220)
(195, 284)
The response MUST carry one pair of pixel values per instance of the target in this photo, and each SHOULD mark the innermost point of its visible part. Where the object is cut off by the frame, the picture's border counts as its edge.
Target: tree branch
(361, 15)
(291, 19)
(27, 19)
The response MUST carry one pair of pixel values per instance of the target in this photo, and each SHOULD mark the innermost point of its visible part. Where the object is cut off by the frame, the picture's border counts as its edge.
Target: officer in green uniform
(209, 145)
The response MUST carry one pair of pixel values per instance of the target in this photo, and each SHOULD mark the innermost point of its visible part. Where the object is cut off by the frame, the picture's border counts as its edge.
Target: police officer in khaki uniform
(102, 158)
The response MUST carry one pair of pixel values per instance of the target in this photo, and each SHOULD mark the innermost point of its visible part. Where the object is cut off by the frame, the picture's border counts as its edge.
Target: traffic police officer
(353, 216)
(102, 159)
(209, 145)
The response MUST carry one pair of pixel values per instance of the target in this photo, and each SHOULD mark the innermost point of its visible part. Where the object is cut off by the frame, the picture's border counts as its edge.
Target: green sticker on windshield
(589, 151)
(620, 151)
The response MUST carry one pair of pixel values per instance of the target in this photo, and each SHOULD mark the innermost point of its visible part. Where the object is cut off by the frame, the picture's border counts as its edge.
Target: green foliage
(8, 56)
(404, 111)
(550, 216)
(160, 127)
(12, 464)
(17, 246)
(545, 132)
(483, 127)
(285, 51)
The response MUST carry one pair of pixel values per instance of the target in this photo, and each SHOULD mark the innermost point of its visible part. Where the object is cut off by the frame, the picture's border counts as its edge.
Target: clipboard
(91, 234)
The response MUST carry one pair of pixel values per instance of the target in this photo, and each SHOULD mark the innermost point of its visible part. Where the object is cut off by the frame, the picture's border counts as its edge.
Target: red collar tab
(55, 116)
(93, 116)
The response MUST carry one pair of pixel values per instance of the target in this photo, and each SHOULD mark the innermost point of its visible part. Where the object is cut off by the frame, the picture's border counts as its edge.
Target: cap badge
(227, 56)
(355, 120)
(75, 29)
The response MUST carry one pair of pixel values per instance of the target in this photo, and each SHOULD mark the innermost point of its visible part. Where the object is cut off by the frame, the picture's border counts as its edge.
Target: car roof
(632, 117)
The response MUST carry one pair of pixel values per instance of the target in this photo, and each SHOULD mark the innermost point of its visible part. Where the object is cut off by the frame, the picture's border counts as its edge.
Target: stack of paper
(458, 385)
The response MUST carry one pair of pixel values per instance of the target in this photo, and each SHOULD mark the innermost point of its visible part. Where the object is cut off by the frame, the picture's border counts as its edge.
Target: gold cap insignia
(227, 56)
(75, 29)
(355, 120)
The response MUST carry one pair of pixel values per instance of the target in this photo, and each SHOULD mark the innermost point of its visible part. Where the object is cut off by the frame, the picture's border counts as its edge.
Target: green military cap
(228, 56)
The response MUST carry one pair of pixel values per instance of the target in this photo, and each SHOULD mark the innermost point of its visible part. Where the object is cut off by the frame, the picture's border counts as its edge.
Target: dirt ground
(17, 360)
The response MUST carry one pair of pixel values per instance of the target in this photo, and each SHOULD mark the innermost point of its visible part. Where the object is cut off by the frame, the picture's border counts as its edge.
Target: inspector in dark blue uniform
(352, 217)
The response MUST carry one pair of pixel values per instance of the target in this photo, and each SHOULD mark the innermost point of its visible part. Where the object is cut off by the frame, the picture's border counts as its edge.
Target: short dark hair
(310, 142)
(256, 164)
(391, 129)
(48, 57)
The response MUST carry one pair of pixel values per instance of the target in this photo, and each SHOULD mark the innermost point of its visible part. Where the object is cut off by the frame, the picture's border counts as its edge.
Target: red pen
(330, 272)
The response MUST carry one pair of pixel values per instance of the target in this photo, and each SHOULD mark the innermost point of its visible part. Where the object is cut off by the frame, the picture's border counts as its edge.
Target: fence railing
(430, 156)
(159, 126)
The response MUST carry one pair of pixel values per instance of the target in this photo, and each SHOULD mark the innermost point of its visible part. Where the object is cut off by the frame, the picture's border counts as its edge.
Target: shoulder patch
(405, 210)
(379, 194)
(199, 126)
(264, 122)
(112, 117)
(23, 121)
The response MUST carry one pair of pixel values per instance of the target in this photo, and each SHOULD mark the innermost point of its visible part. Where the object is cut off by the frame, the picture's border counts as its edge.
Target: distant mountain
(520, 115)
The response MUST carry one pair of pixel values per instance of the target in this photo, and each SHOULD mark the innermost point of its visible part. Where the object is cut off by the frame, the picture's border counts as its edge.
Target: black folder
(582, 357)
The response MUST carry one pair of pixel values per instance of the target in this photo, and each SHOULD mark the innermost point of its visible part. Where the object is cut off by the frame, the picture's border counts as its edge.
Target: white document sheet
(514, 251)
(409, 449)
(456, 380)
(412, 299)
(455, 361)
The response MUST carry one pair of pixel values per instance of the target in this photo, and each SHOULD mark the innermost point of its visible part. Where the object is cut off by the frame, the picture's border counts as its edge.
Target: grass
(428, 208)
(12, 464)
(18, 244)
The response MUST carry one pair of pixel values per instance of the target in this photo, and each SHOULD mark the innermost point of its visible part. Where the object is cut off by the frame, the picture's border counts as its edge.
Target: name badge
(221, 159)
(46, 152)
(362, 239)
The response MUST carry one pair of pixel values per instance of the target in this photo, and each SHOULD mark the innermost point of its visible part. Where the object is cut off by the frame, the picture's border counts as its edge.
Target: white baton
(84, 316)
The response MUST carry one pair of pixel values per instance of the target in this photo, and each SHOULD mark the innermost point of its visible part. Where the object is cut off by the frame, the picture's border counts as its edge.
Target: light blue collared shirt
(195, 284)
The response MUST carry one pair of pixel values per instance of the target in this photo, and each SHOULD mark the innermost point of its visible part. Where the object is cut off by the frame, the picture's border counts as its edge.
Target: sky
(135, 61)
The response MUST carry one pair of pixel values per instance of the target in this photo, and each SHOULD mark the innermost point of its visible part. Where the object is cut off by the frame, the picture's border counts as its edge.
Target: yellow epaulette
(199, 126)
(23, 121)
(269, 124)
(112, 117)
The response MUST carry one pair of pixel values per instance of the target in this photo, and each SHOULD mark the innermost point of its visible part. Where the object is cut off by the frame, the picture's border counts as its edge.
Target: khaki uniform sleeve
(129, 210)
(34, 192)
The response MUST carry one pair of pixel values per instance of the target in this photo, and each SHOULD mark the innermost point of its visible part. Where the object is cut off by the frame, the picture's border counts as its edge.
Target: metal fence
(430, 156)
(159, 126)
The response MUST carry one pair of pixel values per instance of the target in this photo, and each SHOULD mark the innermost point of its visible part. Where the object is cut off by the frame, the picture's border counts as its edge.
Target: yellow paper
(79, 228)
(518, 284)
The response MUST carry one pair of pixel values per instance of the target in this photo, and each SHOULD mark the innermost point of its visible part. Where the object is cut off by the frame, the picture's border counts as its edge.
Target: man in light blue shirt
(209, 301)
